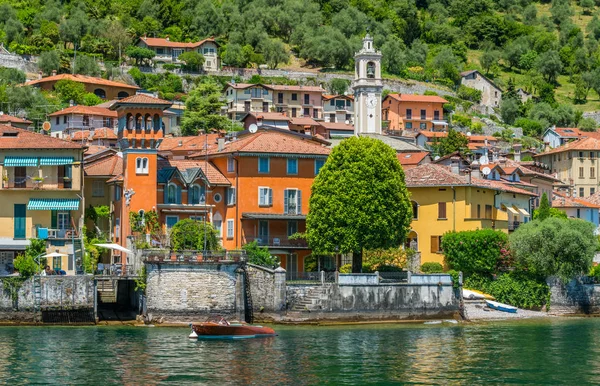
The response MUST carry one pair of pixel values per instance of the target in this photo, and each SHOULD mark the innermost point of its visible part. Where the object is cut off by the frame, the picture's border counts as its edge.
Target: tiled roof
(417, 98)
(283, 87)
(80, 135)
(213, 175)
(81, 79)
(272, 141)
(573, 132)
(303, 121)
(467, 73)
(188, 143)
(482, 138)
(94, 149)
(104, 133)
(433, 134)
(5, 118)
(580, 144)
(594, 198)
(162, 42)
(328, 97)
(337, 126)
(111, 165)
(560, 200)
(438, 175)
(15, 138)
(142, 99)
(395, 143)
(270, 116)
(413, 158)
(86, 110)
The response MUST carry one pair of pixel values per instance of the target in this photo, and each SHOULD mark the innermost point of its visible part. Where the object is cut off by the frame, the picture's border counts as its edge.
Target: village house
(335, 130)
(338, 109)
(181, 147)
(103, 136)
(491, 94)
(9, 120)
(444, 200)
(168, 51)
(582, 208)
(413, 159)
(42, 190)
(575, 164)
(103, 88)
(411, 112)
(558, 136)
(271, 119)
(77, 118)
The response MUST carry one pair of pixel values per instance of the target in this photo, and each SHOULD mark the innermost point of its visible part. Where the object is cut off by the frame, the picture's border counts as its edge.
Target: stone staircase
(107, 291)
(312, 300)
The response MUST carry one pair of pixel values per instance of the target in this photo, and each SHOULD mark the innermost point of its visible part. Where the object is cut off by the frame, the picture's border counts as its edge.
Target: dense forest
(549, 49)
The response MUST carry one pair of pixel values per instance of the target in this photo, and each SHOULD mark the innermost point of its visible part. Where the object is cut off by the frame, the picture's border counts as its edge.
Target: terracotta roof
(328, 97)
(271, 141)
(433, 134)
(107, 166)
(482, 138)
(15, 138)
(283, 87)
(94, 149)
(188, 143)
(104, 133)
(573, 132)
(5, 118)
(86, 110)
(81, 79)
(270, 116)
(438, 175)
(466, 73)
(239, 86)
(417, 98)
(303, 121)
(163, 42)
(79, 135)
(142, 99)
(337, 126)
(213, 175)
(580, 144)
(560, 200)
(118, 178)
(408, 159)
(594, 198)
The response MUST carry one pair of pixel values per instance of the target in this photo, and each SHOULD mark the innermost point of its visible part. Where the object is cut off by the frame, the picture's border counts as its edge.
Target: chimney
(167, 37)
(40, 75)
(53, 72)
(454, 168)
(180, 143)
(517, 147)
(220, 144)
(475, 172)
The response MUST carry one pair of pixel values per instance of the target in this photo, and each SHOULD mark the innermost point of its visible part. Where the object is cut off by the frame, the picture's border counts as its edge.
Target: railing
(115, 270)
(277, 241)
(66, 233)
(193, 257)
(513, 225)
(32, 184)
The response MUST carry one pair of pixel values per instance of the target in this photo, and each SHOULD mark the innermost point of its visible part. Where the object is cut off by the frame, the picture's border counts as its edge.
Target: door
(263, 232)
(292, 266)
(19, 220)
(171, 220)
(20, 177)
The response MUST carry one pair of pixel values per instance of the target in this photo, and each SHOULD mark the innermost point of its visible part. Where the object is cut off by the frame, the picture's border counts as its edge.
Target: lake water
(556, 351)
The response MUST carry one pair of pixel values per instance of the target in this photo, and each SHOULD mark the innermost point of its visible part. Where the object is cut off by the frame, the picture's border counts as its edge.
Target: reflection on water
(551, 351)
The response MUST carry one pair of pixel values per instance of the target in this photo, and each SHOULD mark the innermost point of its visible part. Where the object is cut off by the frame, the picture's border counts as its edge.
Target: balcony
(53, 234)
(513, 225)
(277, 241)
(28, 183)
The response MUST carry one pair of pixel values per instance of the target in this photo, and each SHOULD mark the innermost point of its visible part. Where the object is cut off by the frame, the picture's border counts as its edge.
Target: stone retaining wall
(579, 296)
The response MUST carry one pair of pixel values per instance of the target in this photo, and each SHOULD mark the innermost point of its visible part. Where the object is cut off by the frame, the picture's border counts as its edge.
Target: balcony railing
(513, 225)
(277, 241)
(35, 184)
(53, 234)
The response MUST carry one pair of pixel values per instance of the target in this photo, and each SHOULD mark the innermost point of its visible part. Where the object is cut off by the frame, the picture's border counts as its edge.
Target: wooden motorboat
(501, 307)
(222, 329)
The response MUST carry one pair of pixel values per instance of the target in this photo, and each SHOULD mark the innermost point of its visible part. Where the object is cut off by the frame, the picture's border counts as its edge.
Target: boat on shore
(222, 329)
(501, 307)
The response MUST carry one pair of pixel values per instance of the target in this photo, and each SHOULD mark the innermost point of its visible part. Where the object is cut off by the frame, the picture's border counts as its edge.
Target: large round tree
(358, 201)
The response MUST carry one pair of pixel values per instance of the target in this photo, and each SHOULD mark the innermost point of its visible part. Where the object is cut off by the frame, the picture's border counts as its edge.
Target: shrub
(477, 128)
(480, 251)
(469, 94)
(260, 255)
(432, 267)
(513, 288)
(389, 259)
(595, 273)
(462, 120)
(346, 268)
(189, 234)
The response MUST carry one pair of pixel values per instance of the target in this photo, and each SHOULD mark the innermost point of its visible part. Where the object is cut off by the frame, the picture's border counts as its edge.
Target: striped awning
(53, 204)
(55, 161)
(20, 161)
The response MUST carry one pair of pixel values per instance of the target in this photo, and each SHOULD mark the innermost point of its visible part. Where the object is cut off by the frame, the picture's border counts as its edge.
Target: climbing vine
(144, 223)
(140, 281)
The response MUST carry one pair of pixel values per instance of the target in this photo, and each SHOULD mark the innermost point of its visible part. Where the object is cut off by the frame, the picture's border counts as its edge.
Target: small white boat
(501, 307)
(471, 295)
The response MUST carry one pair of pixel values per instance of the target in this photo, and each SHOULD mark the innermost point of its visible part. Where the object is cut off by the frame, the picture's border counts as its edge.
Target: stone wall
(191, 292)
(16, 61)
(267, 287)
(579, 296)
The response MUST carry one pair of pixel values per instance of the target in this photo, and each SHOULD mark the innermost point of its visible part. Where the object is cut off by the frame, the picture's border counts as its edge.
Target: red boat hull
(211, 330)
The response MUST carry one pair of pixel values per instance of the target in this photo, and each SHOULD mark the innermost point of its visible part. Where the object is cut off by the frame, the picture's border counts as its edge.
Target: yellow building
(41, 192)
(444, 200)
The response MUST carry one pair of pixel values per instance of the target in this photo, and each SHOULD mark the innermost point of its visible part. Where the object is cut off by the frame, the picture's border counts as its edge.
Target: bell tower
(367, 88)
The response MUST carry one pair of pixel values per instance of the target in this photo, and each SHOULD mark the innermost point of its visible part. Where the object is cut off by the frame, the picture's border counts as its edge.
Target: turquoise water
(559, 351)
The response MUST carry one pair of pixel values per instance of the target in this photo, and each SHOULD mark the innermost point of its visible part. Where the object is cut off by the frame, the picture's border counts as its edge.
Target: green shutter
(53, 220)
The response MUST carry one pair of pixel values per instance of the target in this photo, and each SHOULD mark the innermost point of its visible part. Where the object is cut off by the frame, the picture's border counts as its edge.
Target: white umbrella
(55, 254)
(115, 247)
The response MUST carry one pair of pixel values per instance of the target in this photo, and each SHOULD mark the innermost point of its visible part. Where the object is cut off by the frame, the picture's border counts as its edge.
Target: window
(415, 209)
(441, 210)
(436, 244)
(280, 97)
(423, 114)
(423, 126)
(488, 211)
(294, 97)
(65, 119)
(265, 107)
(247, 106)
(592, 172)
(171, 220)
(141, 165)
(592, 154)
(217, 197)
(118, 193)
(315, 113)
(86, 120)
(173, 192)
(592, 191)
(197, 195)
(581, 192)
(578, 213)
(98, 189)
(263, 232)
(263, 165)
(63, 220)
(318, 165)
(332, 102)
(57, 263)
(306, 99)
(292, 166)
(306, 112)
(65, 173)
(294, 112)
(58, 120)
(231, 164)
(230, 196)
(581, 172)
(218, 225)
(370, 67)
(292, 201)
(229, 229)
(408, 125)
(265, 196)
(331, 117)
(478, 211)
(580, 154)
(292, 227)
(436, 115)
(408, 113)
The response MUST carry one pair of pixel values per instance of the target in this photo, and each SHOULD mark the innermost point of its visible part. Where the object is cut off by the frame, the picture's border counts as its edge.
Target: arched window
(156, 122)
(142, 217)
(100, 93)
(129, 121)
(172, 194)
(138, 121)
(122, 95)
(148, 122)
(197, 195)
(141, 165)
(370, 70)
(415, 208)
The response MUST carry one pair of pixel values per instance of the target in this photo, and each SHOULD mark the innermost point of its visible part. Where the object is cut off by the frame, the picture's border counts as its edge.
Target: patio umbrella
(55, 254)
(115, 247)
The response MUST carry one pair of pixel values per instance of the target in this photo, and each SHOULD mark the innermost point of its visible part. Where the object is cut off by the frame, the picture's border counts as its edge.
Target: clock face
(371, 102)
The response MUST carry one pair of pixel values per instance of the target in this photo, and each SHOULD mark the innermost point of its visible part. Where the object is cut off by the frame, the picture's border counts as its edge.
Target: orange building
(414, 112)
(105, 89)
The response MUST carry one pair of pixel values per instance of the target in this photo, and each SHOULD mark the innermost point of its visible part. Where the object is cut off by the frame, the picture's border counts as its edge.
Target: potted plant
(37, 181)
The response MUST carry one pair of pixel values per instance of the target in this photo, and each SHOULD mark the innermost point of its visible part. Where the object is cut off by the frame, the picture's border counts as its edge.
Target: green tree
(275, 53)
(338, 86)
(509, 110)
(11, 76)
(233, 56)
(588, 124)
(481, 251)
(447, 65)
(203, 110)
(49, 61)
(549, 65)
(86, 65)
(543, 212)
(359, 200)
(189, 235)
(140, 55)
(489, 59)
(28, 263)
(555, 247)
(69, 90)
(394, 57)
(454, 141)
(260, 255)
(91, 99)
(193, 60)
(74, 27)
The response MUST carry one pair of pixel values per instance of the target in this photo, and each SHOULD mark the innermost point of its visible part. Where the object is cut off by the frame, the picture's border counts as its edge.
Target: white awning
(524, 212)
(55, 254)
(441, 123)
(115, 247)
(511, 210)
